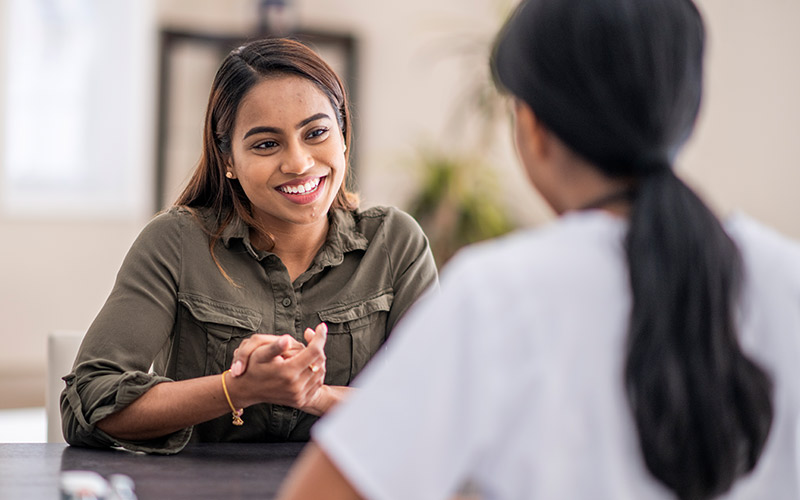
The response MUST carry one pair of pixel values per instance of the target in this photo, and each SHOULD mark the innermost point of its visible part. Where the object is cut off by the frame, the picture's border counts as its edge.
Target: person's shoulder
(381, 215)
(545, 264)
(555, 246)
(764, 249)
(170, 219)
(387, 219)
(754, 233)
(173, 223)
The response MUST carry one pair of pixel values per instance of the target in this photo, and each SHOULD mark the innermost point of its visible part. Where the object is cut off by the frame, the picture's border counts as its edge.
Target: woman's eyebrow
(275, 130)
(261, 130)
(312, 118)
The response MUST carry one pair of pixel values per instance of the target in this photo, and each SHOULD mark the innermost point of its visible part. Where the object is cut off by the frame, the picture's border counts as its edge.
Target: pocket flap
(212, 311)
(360, 309)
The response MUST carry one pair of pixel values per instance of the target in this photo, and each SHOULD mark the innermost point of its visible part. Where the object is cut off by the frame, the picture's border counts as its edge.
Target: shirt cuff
(110, 394)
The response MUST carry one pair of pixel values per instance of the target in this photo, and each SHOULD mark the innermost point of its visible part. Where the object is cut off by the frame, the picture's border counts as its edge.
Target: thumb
(318, 336)
(270, 351)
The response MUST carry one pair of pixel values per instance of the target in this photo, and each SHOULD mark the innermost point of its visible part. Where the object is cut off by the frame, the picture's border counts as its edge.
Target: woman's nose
(297, 160)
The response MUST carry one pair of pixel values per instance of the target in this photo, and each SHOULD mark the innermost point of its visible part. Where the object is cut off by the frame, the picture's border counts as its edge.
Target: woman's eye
(319, 132)
(266, 145)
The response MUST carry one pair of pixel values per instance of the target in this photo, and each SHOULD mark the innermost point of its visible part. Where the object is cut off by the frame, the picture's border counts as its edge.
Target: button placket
(285, 301)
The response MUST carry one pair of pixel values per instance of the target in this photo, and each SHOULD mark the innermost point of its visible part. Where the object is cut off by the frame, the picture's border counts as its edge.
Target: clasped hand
(281, 370)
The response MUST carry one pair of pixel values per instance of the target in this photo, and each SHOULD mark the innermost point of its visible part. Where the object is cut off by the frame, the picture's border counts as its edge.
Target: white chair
(62, 347)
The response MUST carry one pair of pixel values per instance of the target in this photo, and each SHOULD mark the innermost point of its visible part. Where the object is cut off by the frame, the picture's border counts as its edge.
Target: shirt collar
(236, 229)
(343, 237)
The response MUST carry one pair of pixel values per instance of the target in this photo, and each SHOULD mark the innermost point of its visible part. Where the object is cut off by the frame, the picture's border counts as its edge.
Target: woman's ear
(531, 135)
(230, 172)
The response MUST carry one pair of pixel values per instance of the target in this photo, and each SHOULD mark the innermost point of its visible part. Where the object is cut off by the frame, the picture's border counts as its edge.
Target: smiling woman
(264, 288)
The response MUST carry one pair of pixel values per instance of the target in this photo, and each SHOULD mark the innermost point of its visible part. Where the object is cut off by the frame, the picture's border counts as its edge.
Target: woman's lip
(303, 198)
(299, 182)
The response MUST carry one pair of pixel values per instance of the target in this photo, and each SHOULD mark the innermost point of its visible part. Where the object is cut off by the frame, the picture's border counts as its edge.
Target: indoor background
(87, 154)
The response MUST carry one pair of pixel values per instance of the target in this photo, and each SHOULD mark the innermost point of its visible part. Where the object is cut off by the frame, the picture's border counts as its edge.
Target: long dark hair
(242, 69)
(619, 81)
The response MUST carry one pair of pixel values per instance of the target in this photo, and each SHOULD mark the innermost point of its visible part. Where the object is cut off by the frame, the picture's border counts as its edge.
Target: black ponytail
(702, 409)
(619, 82)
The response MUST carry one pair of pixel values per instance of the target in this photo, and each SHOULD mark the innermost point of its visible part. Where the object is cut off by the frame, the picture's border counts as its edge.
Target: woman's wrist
(237, 389)
(236, 412)
(322, 402)
(328, 396)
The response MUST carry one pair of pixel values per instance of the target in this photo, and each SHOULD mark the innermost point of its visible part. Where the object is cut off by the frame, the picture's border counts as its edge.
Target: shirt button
(287, 302)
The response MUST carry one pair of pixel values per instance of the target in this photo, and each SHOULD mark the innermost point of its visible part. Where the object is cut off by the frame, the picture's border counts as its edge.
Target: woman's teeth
(308, 187)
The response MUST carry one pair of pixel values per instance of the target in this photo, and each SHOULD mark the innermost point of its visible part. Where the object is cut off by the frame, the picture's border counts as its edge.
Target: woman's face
(287, 151)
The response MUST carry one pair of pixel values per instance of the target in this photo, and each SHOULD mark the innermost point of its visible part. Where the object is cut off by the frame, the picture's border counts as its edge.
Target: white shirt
(512, 377)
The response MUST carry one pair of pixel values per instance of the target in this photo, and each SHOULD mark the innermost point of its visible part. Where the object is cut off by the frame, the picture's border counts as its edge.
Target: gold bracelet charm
(237, 414)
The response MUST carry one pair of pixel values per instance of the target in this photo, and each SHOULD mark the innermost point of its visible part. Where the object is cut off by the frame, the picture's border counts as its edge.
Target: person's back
(547, 414)
(770, 332)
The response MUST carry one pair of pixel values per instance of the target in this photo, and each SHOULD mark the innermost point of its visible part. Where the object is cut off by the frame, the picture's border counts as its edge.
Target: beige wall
(746, 152)
(55, 274)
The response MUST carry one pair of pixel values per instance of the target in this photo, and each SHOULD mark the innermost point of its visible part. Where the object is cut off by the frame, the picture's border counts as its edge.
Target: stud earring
(229, 174)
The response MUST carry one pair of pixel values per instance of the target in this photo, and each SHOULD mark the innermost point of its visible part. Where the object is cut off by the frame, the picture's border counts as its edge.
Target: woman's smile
(303, 191)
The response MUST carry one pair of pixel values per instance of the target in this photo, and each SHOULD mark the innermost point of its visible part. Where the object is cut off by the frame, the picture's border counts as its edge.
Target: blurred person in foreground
(635, 348)
(265, 238)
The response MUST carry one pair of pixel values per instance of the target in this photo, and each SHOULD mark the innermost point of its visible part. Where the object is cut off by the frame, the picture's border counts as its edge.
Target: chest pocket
(355, 333)
(225, 326)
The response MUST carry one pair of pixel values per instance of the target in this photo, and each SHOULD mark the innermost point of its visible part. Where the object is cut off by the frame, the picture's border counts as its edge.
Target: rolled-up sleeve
(112, 368)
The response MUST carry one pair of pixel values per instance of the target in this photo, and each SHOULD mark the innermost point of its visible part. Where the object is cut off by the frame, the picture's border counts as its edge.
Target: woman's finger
(313, 357)
(267, 352)
(242, 354)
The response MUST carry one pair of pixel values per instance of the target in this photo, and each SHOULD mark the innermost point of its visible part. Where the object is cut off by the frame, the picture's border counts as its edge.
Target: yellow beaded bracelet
(237, 414)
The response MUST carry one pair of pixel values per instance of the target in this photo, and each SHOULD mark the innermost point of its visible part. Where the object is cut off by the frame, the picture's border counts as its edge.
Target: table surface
(212, 470)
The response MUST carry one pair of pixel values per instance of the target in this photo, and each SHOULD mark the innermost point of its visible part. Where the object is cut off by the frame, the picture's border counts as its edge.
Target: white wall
(56, 274)
(56, 270)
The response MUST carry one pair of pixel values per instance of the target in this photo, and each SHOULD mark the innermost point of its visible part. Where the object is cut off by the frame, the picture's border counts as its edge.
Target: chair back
(62, 348)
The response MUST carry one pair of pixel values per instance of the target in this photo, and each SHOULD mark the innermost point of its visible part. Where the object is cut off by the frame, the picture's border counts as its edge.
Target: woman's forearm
(169, 407)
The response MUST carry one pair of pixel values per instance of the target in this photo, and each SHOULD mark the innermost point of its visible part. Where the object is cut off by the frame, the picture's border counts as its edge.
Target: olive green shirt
(171, 308)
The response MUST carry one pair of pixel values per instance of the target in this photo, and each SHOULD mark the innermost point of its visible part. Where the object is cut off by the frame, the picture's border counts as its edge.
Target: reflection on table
(213, 470)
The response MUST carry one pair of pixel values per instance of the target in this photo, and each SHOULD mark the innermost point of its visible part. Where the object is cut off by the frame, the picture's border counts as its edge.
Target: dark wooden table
(218, 470)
